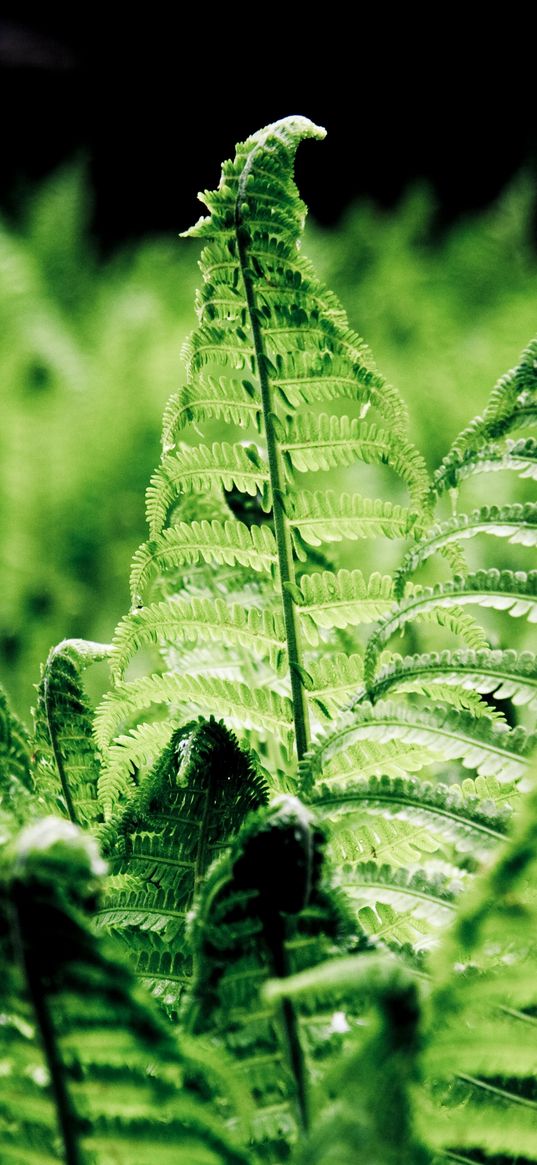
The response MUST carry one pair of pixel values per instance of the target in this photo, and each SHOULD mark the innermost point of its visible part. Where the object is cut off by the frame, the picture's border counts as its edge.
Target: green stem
(66, 1116)
(275, 938)
(277, 482)
(69, 803)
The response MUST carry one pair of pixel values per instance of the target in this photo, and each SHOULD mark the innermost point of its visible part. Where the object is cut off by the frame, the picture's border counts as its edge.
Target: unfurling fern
(253, 596)
(86, 1062)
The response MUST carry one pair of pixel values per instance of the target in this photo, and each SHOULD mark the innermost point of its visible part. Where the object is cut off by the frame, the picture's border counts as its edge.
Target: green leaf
(508, 675)
(490, 747)
(87, 1062)
(325, 516)
(67, 762)
(213, 542)
(479, 1039)
(160, 846)
(200, 619)
(506, 590)
(517, 523)
(321, 442)
(197, 468)
(264, 912)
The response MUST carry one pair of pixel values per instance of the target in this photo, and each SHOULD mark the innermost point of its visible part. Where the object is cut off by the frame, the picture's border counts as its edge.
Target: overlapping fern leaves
(253, 619)
(272, 343)
(409, 764)
(86, 1061)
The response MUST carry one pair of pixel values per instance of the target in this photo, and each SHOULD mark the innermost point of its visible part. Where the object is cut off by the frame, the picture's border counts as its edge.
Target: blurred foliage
(89, 352)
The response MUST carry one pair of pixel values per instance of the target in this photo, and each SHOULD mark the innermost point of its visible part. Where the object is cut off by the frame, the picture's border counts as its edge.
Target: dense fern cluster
(310, 862)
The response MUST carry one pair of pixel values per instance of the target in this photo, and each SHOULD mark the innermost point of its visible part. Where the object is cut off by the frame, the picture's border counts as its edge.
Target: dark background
(155, 105)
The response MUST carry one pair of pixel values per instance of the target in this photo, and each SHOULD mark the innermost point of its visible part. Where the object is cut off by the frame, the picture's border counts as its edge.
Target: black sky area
(154, 110)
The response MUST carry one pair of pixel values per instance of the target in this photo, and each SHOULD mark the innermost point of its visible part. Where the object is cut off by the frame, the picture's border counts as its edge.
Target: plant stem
(64, 1110)
(275, 937)
(277, 482)
(69, 803)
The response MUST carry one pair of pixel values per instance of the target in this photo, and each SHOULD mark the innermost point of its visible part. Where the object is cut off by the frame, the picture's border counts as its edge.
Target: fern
(511, 591)
(106, 1061)
(480, 1022)
(255, 596)
(505, 674)
(16, 784)
(67, 764)
(403, 818)
(516, 523)
(513, 402)
(264, 911)
(279, 340)
(163, 842)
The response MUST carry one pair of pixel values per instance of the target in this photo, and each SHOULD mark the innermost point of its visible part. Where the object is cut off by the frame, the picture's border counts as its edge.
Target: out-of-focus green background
(90, 351)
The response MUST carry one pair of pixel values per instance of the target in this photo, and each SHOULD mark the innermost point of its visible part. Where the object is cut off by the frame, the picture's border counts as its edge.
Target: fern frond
(15, 767)
(136, 749)
(398, 907)
(345, 598)
(261, 708)
(506, 590)
(509, 675)
(512, 402)
(306, 378)
(203, 467)
(198, 619)
(321, 442)
(486, 745)
(212, 542)
(66, 760)
(321, 516)
(480, 1033)
(210, 398)
(183, 815)
(107, 1063)
(517, 523)
(264, 912)
(518, 456)
(469, 819)
(263, 313)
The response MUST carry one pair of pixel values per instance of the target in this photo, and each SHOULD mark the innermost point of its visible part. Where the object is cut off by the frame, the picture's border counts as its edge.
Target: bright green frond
(66, 760)
(199, 619)
(517, 523)
(343, 599)
(261, 708)
(217, 542)
(320, 442)
(322, 516)
(398, 907)
(483, 744)
(210, 398)
(200, 467)
(513, 402)
(518, 456)
(506, 590)
(506, 674)
(407, 822)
